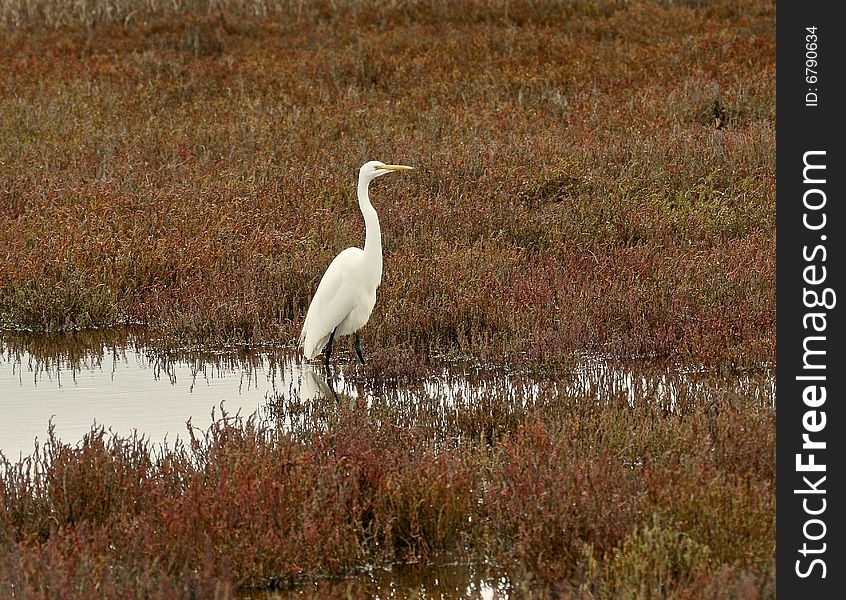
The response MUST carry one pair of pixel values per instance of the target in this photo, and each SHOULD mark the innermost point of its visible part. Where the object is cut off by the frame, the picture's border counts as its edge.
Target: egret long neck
(373, 235)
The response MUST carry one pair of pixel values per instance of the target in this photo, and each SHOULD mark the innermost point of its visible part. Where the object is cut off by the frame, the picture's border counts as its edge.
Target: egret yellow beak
(396, 168)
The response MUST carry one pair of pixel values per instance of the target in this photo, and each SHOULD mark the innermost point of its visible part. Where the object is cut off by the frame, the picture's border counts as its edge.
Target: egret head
(373, 169)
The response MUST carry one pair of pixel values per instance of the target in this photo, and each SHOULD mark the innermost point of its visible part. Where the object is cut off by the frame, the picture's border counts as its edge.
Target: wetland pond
(114, 380)
(121, 382)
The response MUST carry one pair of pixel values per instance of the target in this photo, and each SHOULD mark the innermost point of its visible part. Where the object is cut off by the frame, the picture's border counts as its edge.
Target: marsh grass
(563, 494)
(591, 176)
(587, 485)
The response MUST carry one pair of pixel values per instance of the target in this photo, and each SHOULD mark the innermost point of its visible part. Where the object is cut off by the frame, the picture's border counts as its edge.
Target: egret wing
(333, 301)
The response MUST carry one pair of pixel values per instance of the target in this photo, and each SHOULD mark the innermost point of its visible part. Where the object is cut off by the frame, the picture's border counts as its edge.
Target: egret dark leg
(358, 347)
(332, 387)
(328, 350)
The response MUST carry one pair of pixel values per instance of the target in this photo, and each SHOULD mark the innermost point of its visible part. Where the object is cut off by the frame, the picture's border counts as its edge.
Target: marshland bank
(606, 481)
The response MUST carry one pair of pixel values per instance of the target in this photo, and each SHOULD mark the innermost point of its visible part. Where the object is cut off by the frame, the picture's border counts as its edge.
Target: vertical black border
(801, 128)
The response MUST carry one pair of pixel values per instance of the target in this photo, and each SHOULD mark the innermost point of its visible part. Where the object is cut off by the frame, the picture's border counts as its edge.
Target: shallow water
(74, 381)
(115, 379)
(118, 380)
(443, 582)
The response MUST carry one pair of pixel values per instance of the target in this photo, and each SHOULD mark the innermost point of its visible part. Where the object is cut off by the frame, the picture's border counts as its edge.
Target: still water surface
(434, 582)
(119, 381)
(116, 380)
(77, 380)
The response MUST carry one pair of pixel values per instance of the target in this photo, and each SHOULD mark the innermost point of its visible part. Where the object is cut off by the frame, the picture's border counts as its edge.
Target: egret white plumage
(346, 294)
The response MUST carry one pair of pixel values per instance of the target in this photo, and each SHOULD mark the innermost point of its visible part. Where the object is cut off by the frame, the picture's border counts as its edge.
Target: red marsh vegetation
(592, 176)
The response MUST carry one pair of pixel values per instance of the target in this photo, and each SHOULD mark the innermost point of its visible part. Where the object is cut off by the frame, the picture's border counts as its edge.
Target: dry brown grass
(564, 494)
(591, 176)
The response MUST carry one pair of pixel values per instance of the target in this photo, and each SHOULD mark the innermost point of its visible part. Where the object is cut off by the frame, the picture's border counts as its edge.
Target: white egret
(347, 292)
